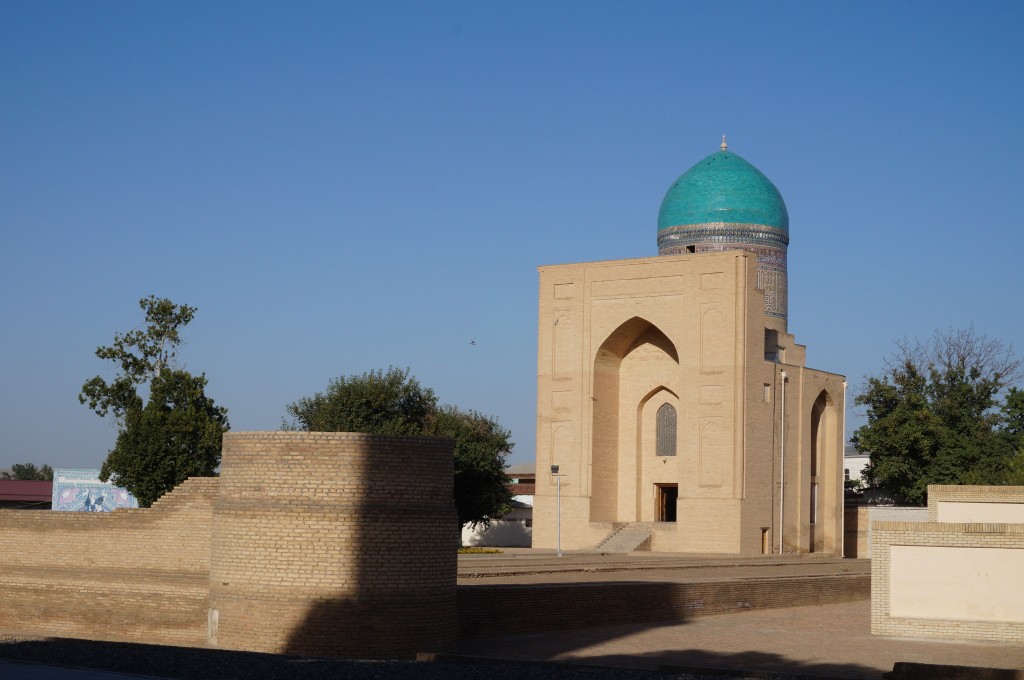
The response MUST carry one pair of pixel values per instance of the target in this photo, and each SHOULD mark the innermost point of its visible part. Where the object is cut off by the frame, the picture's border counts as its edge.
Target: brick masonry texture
(858, 520)
(493, 610)
(620, 340)
(951, 537)
(937, 493)
(334, 544)
(138, 575)
(328, 544)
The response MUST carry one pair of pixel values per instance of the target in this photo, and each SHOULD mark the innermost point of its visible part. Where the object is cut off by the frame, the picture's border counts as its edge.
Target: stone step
(627, 538)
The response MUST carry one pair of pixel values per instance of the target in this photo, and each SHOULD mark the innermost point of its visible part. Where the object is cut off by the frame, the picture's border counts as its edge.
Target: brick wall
(855, 531)
(859, 518)
(140, 575)
(966, 493)
(334, 544)
(492, 610)
(947, 580)
(329, 544)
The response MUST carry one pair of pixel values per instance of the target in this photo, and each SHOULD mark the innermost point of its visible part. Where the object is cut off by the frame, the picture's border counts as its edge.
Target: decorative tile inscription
(768, 243)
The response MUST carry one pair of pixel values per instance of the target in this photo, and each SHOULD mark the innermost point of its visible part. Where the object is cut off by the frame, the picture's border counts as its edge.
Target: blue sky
(340, 187)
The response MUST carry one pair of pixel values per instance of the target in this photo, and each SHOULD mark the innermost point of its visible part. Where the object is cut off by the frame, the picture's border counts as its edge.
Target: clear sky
(345, 186)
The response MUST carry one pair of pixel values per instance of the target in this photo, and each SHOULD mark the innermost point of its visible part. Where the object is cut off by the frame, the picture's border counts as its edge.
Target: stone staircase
(627, 537)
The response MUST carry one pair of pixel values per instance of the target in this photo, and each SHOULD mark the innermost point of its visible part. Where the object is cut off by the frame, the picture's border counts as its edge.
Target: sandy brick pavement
(829, 640)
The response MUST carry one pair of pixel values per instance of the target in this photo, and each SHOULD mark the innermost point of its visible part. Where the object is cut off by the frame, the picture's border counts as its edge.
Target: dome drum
(674, 240)
(725, 203)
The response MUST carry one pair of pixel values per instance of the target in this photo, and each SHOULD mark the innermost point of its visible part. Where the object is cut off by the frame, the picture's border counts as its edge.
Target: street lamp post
(558, 510)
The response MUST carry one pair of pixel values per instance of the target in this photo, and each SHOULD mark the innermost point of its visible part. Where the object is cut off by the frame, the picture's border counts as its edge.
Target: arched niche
(657, 419)
(821, 491)
(629, 368)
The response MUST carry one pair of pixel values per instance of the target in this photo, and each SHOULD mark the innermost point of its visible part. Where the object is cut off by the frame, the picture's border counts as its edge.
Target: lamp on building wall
(558, 510)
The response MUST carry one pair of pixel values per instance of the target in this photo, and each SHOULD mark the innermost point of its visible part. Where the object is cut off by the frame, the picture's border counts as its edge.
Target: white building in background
(854, 463)
(515, 529)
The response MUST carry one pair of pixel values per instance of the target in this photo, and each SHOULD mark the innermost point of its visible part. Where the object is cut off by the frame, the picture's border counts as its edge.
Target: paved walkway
(830, 640)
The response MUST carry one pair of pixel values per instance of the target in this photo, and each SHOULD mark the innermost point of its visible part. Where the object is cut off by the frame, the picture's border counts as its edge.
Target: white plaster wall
(981, 513)
(973, 584)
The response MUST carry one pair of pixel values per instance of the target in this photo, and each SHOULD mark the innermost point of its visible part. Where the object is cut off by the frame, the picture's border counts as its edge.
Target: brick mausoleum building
(672, 396)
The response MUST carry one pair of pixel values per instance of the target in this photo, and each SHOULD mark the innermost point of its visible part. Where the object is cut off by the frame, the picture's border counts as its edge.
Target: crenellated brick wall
(331, 544)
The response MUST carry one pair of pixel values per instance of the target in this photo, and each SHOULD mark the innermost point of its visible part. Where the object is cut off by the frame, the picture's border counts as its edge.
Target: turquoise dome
(723, 188)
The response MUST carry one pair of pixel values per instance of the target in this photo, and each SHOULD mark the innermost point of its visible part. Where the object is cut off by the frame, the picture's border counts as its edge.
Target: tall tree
(481, 447)
(394, 402)
(934, 414)
(1013, 435)
(141, 354)
(1013, 417)
(384, 403)
(175, 433)
(29, 471)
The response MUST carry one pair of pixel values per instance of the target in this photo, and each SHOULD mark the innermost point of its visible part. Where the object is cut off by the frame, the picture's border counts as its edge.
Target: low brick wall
(493, 610)
(139, 575)
(947, 580)
(323, 544)
(858, 520)
(1011, 498)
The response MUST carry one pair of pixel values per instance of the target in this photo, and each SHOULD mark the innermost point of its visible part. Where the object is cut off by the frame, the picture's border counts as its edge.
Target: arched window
(665, 437)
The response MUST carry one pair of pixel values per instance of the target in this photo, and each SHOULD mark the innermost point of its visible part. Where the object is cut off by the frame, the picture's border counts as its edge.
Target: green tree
(934, 414)
(1013, 435)
(379, 402)
(28, 471)
(394, 402)
(481, 447)
(176, 435)
(141, 355)
(176, 431)
(1013, 418)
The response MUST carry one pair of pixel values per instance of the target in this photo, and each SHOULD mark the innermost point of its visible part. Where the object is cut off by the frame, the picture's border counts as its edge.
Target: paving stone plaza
(828, 640)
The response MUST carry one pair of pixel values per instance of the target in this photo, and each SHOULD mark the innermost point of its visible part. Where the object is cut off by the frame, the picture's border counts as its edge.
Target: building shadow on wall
(496, 610)
(397, 565)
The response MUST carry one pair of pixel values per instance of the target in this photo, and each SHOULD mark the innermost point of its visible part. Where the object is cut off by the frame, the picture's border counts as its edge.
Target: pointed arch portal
(635, 371)
(822, 468)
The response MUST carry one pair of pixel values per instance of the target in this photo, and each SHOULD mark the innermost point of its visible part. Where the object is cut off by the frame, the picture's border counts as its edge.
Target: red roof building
(25, 494)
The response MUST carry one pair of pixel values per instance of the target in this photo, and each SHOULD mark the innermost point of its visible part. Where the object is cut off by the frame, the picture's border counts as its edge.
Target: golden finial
(724, 145)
